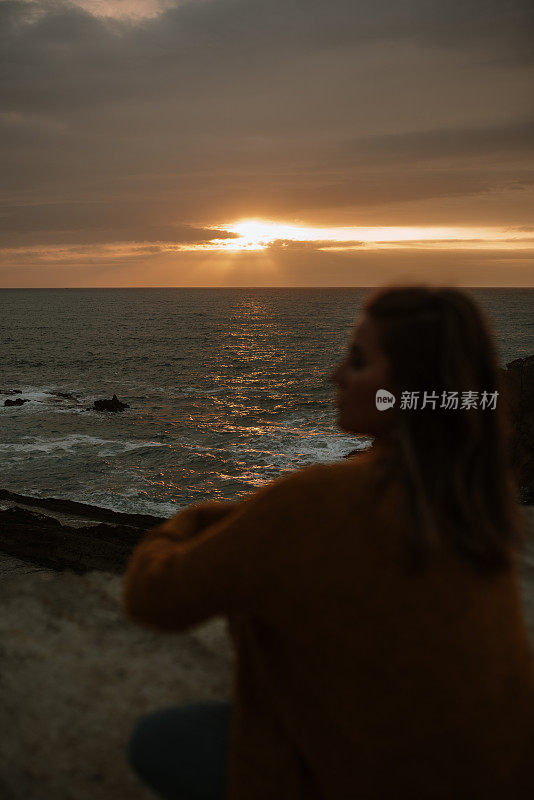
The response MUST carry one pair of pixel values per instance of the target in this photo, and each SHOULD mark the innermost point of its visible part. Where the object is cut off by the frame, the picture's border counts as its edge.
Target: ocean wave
(72, 442)
(133, 501)
(47, 394)
(321, 448)
(283, 446)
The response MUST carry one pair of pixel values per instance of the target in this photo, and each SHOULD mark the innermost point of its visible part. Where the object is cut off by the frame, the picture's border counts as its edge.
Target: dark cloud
(511, 138)
(58, 56)
(96, 222)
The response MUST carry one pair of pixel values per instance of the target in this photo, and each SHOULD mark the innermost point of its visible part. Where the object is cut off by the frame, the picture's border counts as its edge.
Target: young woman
(381, 650)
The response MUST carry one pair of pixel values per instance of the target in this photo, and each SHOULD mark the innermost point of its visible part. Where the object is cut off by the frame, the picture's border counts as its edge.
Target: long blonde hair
(456, 462)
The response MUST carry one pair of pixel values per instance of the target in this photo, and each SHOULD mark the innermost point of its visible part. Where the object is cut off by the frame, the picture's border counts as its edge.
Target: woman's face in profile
(363, 371)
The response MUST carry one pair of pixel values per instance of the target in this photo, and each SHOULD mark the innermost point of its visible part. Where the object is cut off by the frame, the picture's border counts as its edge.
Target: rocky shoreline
(63, 534)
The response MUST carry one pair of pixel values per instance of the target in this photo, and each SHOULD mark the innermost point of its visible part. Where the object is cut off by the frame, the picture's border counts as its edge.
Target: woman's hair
(456, 462)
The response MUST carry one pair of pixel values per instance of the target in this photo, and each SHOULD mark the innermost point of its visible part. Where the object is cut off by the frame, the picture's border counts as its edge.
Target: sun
(258, 235)
(253, 235)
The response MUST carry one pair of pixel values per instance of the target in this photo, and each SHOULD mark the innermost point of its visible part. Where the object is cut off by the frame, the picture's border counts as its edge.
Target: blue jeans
(181, 752)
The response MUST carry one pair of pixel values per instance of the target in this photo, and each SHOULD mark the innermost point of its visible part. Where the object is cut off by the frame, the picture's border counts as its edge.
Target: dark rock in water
(110, 405)
(18, 402)
(518, 380)
(63, 534)
(10, 391)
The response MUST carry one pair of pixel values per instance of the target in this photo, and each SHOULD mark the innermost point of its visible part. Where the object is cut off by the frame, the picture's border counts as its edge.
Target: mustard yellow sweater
(353, 679)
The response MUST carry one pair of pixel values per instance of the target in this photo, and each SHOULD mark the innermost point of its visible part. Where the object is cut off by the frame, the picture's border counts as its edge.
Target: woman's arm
(222, 558)
(195, 518)
(178, 577)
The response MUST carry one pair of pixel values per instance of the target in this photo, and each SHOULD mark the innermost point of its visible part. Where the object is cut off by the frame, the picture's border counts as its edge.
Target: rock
(64, 534)
(110, 405)
(518, 385)
(10, 391)
(18, 402)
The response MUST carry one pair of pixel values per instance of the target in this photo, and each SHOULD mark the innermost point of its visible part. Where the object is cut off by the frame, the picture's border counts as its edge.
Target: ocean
(228, 388)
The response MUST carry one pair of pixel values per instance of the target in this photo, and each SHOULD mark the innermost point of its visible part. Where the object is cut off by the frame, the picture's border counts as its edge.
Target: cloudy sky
(266, 142)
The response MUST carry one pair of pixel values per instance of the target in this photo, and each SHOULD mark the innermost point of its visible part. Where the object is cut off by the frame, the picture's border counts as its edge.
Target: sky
(272, 143)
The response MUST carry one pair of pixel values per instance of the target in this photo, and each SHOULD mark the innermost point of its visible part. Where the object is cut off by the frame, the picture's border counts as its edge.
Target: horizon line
(352, 286)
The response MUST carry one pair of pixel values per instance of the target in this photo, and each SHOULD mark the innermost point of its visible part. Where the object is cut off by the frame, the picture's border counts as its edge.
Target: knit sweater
(354, 679)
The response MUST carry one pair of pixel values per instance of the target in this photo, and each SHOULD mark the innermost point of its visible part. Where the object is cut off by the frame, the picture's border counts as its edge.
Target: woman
(381, 650)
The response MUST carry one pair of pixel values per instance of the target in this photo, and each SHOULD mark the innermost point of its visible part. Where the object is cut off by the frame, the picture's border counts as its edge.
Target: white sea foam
(30, 444)
(292, 447)
(129, 501)
(45, 399)
(317, 448)
(42, 394)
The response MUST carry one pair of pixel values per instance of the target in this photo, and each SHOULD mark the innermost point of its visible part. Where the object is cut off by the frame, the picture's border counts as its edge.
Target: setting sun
(257, 234)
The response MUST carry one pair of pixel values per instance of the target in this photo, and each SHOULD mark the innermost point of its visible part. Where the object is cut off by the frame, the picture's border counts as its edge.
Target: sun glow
(254, 234)
(270, 239)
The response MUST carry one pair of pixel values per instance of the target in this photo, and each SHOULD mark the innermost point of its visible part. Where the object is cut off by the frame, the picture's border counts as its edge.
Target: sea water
(228, 388)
